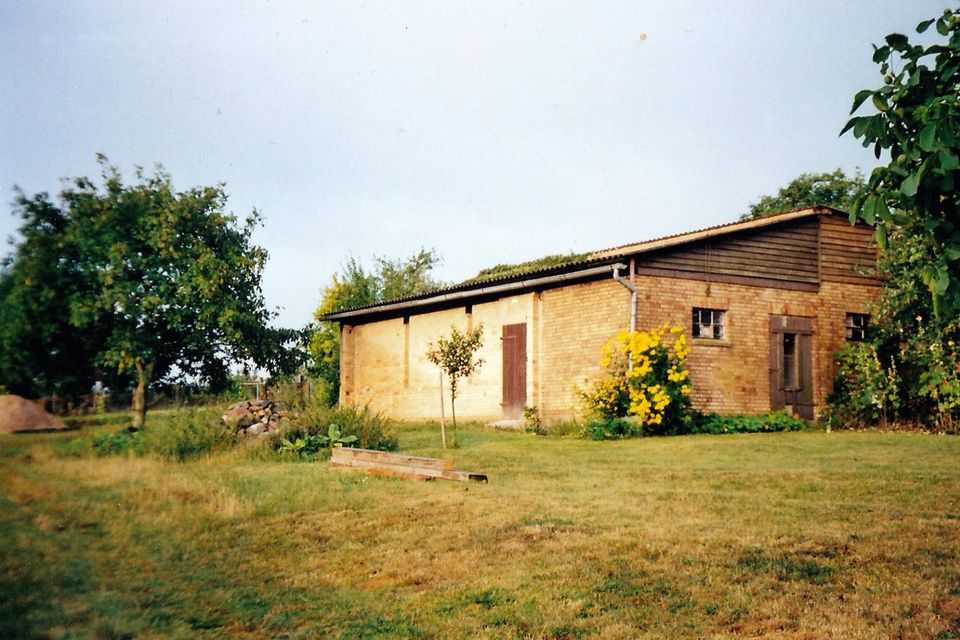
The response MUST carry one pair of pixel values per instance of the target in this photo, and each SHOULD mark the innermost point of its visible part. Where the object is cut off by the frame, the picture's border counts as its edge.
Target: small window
(790, 362)
(708, 323)
(857, 327)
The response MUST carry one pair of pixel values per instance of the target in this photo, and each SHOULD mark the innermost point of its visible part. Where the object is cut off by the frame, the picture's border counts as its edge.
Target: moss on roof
(506, 270)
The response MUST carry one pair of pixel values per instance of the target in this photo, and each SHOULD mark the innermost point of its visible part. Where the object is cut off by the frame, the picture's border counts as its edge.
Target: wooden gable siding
(848, 253)
(782, 256)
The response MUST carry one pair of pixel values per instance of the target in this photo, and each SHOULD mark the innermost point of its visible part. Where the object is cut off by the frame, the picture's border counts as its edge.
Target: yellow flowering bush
(646, 378)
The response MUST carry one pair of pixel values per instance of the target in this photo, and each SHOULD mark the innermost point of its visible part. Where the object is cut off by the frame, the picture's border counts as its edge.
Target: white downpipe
(633, 305)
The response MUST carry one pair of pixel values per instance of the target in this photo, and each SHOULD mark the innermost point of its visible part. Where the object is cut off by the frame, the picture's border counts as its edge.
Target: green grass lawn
(791, 535)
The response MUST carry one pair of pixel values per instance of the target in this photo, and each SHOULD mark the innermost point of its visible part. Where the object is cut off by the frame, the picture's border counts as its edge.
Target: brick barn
(765, 304)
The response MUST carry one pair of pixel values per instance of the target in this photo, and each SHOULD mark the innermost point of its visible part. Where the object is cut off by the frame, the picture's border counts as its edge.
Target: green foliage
(41, 352)
(455, 357)
(865, 393)
(914, 202)
(318, 425)
(355, 287)
(183, 435)
(532, 422)
(309, 446)
(164, 282)
(699, 423)
(714, 423)
(111, 443)
(933, 358)
(189, 433)
(611, 428)
(833, 189)
(916, 120)
(506, 270)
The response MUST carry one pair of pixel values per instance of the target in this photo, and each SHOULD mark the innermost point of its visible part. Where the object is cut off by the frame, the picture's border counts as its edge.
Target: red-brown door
(514, 370)
(791, 366)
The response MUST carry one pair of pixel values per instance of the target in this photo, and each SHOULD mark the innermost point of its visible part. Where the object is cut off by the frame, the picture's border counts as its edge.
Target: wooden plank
(766, 248)
(760, 256)
(842, 279)
(848, 244)
(399, 465)
(386, 467)
(787, 275)
(789, 285)
(344, 454)
(743, 263)
(465, 476)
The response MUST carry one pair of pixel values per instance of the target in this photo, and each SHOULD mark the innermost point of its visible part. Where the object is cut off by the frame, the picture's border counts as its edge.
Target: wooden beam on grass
(399, 465)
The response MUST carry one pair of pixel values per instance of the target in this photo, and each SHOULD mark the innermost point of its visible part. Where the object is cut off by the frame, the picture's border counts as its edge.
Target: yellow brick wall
(384, 364)
(576, 322)
(567, 326)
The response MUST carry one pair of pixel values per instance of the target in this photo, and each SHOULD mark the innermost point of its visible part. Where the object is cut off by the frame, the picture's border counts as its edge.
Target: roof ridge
(613, 253)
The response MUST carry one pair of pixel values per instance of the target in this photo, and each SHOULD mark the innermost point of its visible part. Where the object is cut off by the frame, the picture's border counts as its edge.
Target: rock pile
(253, 417)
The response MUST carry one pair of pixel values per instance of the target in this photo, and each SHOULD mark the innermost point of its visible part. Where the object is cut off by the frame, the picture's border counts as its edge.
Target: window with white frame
(709, 324)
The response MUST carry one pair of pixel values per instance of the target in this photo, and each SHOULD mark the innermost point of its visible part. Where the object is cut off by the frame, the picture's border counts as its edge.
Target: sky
(493, 132)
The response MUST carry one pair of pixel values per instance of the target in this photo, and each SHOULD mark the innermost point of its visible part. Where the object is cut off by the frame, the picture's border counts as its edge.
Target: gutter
(633, 303)
(482, 291)
(633, 294)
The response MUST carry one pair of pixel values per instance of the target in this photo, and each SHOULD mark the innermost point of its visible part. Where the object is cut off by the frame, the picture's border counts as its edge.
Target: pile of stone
(254, 417)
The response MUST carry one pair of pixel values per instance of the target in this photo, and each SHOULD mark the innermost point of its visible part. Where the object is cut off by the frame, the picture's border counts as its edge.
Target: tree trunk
(443, 418)
(140, 394)
(453, 411)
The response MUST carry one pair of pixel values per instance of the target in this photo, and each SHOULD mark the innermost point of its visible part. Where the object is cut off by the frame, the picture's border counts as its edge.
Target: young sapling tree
(455, 355)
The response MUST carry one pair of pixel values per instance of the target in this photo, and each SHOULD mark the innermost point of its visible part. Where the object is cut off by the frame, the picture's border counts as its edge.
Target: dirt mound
(19, 414)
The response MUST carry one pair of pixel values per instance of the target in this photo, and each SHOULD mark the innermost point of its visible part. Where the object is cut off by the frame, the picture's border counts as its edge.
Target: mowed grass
(794, 535)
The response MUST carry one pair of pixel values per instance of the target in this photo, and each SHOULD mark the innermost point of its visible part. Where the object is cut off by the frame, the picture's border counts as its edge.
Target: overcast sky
(492, 131)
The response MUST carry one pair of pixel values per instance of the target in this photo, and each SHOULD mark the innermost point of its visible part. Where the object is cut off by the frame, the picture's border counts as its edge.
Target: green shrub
(532, 422)
(714, 423)
(865, 394)
(189, 433)
(612, 429)
(370, 429)
(186, 434)
(111, 443)
(310, 446)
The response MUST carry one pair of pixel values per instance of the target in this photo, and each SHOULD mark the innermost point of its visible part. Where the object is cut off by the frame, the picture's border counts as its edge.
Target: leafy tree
(167, 281)
(355, 287)
(455, 357)
(41, 352)
(917, 122)
(833, 189)
(913, 200)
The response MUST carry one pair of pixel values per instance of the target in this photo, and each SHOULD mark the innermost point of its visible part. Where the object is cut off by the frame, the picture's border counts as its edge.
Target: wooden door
(791, 364)
(514, 370)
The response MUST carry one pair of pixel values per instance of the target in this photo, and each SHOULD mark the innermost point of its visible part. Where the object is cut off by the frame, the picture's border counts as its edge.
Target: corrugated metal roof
(609, 255)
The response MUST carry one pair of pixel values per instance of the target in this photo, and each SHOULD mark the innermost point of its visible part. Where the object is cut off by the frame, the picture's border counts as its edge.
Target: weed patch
(787, 567)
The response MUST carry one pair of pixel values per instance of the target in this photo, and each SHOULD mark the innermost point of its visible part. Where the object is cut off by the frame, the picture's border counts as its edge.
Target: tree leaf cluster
(455, 357)
(834, 189)
(355, 286)
(158, 282)
(916, 123)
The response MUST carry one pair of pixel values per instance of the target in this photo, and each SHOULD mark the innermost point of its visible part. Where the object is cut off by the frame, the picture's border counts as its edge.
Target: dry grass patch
(798, 535)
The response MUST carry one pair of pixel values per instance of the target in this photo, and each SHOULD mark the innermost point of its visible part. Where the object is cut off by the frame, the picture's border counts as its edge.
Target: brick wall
(384, 363)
